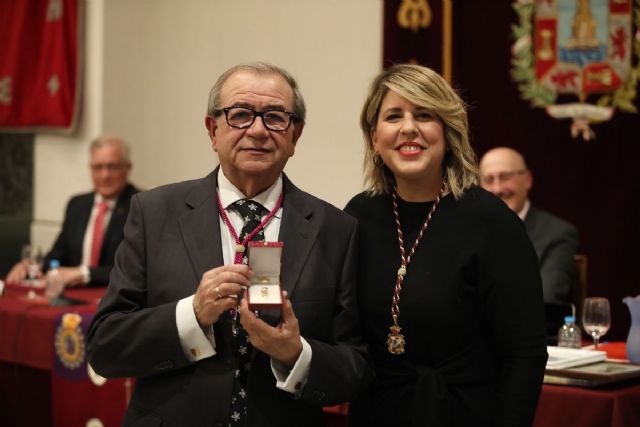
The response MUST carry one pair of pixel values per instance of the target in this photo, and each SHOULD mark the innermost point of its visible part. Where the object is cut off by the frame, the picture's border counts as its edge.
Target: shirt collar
(525, 210)
(230, 194)
(97, 199)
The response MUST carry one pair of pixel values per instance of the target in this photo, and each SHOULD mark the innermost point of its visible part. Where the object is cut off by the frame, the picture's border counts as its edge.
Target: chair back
(579, 287)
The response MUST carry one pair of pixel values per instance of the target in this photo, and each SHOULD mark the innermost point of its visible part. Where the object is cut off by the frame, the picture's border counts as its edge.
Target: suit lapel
(200, 226)
(118, 218)
(298, 231)
(200, 229)
(79, 217)
(530, 220)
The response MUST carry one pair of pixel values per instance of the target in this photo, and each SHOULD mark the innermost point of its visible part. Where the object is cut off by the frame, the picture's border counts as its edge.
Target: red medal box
(264, 291)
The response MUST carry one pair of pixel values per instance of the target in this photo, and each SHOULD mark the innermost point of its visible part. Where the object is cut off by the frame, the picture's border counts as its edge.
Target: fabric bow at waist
(436, 385)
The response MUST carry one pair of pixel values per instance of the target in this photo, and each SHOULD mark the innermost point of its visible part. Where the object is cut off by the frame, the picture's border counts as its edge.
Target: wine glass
(596, 318)
(32, 259)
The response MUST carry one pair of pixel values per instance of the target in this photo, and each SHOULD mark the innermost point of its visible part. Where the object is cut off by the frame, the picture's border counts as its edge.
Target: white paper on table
(564, 357)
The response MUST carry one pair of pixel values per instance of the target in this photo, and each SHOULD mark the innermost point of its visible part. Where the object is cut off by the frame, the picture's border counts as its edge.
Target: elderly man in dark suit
(93, 222)
(170, 316)
(504, 172)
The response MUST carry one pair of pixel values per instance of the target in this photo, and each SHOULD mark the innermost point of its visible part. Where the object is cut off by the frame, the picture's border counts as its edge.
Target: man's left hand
(281, 343)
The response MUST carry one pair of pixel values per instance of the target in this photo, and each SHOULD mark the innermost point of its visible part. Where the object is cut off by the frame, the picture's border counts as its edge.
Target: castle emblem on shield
(575, 58)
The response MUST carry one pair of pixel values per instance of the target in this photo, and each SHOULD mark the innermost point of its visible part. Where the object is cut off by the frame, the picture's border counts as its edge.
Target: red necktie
(98, 234)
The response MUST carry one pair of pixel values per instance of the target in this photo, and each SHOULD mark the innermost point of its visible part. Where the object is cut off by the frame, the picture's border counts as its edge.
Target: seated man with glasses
(504, 172)
(93, 222)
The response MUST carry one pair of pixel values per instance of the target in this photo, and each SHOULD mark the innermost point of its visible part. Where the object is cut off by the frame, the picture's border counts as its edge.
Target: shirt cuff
(86, 274)
(196, 343)
(295, 379)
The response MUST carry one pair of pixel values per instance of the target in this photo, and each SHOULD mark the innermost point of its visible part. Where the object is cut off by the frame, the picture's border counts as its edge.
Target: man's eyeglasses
(243, 117)
(500, 177)
(111, 167)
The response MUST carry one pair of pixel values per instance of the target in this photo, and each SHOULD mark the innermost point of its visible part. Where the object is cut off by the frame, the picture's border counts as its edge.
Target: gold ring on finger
(218, 295)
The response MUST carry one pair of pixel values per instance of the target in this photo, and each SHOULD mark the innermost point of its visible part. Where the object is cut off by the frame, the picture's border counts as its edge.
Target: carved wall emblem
(414, 14)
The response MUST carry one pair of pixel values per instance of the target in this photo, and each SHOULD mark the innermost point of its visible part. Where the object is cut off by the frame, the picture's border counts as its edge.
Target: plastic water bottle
(569, 334)
(54, 281)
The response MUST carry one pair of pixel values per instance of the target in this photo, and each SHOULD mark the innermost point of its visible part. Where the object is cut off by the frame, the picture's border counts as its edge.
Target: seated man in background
(93, 222)
(504, 173)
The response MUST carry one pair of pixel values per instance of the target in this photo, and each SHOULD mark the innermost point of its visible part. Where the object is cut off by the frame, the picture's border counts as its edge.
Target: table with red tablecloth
(616, 405)
(33, 392)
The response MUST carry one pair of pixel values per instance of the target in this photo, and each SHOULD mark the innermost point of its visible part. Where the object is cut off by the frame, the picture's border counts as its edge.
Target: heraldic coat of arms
(581, 52)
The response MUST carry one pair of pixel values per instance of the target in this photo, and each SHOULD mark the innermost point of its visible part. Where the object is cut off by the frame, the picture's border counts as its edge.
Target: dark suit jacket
(172, 237)
(68, 246)
(556, 243)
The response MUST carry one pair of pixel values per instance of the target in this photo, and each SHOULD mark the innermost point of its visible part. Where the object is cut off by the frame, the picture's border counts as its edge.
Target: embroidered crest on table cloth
(69, 341)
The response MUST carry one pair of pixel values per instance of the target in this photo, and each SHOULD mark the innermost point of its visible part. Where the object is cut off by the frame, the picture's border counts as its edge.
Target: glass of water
(32, 259)
(596, 318)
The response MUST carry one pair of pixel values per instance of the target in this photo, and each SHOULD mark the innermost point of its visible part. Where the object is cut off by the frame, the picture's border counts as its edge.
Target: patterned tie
(252, 213)
(98, 234)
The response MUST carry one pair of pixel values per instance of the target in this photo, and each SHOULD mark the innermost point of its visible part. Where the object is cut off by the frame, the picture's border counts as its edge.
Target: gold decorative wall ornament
(582, 49)
(414, 14)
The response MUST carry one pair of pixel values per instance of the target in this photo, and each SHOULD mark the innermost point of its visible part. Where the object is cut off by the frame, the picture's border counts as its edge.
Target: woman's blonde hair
(425, 88)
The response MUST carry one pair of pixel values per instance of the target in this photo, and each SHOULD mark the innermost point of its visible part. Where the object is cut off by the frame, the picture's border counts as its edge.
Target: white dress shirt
(525, 210)
(198, 344)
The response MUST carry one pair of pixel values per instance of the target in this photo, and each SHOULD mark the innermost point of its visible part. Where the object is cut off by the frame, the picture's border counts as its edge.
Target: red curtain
(39, 65)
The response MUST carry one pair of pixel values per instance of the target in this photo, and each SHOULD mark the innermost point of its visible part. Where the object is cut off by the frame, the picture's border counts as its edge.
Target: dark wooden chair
(556, 312)
(579, 287)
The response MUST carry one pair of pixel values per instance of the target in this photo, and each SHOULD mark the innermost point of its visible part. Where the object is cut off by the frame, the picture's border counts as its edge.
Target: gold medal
(395, 341)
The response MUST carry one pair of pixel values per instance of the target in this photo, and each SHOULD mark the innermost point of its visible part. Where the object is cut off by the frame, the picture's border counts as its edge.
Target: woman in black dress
(450, 293)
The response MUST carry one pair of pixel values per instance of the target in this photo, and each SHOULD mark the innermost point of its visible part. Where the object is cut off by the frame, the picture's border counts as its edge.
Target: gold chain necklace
(395, 340)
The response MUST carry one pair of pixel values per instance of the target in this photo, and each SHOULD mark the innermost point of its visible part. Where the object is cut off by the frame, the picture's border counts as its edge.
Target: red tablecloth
(615, 350)
(32, 392)
(574, 406)
(27, 325)
(613, 406)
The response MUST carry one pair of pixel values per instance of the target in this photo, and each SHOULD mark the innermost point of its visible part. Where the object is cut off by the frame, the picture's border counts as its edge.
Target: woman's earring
(377, 160)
